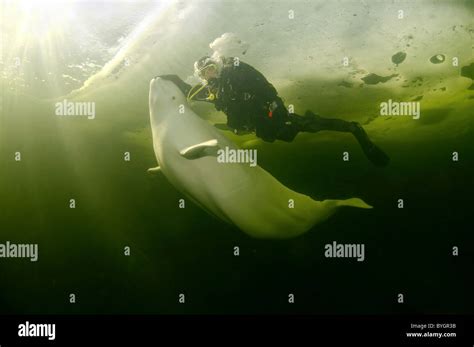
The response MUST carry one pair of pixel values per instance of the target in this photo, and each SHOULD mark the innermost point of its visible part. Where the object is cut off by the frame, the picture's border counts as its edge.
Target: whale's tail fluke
(352, 202)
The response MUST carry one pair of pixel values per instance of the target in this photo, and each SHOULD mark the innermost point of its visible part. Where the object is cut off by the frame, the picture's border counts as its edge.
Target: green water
(174, 250)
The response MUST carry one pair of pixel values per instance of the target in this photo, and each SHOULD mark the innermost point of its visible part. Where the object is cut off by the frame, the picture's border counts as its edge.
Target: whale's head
(165, 98)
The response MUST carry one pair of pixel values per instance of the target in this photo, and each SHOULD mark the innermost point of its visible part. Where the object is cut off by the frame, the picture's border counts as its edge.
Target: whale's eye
(173, 97)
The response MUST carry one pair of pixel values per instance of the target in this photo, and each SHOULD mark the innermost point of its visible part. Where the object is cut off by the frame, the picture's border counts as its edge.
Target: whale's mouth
(164, 93)
(161, 88)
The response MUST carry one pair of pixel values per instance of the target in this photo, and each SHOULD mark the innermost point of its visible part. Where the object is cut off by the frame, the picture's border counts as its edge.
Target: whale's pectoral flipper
(154, 171)
(203, 149)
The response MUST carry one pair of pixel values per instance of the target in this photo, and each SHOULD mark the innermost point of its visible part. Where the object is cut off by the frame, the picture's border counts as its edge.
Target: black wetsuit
(249, 101)
(252, 104)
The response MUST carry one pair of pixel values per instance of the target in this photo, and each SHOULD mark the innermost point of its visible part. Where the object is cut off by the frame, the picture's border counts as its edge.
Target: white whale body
(248, 197)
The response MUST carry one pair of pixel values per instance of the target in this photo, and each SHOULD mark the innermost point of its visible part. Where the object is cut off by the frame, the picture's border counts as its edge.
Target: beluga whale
(247, 196)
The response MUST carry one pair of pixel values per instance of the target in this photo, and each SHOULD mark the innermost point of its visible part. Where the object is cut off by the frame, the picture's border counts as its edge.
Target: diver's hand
(183, 86)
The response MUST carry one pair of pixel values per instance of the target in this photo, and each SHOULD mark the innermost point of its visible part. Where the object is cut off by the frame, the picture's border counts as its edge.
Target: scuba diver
(252, 104)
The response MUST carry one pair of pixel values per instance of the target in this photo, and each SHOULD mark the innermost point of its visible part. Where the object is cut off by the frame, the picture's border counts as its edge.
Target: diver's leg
(293, 124)
(288, 132)
(313, 123)
(285, 128)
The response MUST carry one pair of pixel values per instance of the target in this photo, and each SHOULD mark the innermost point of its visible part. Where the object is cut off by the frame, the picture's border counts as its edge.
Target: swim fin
(373, 153)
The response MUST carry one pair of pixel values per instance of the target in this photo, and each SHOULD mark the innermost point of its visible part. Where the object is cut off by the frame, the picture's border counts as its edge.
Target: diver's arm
(183, 86)
(197, 92)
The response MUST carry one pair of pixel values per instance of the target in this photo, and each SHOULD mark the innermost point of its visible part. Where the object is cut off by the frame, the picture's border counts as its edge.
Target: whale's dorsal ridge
(200, 150)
